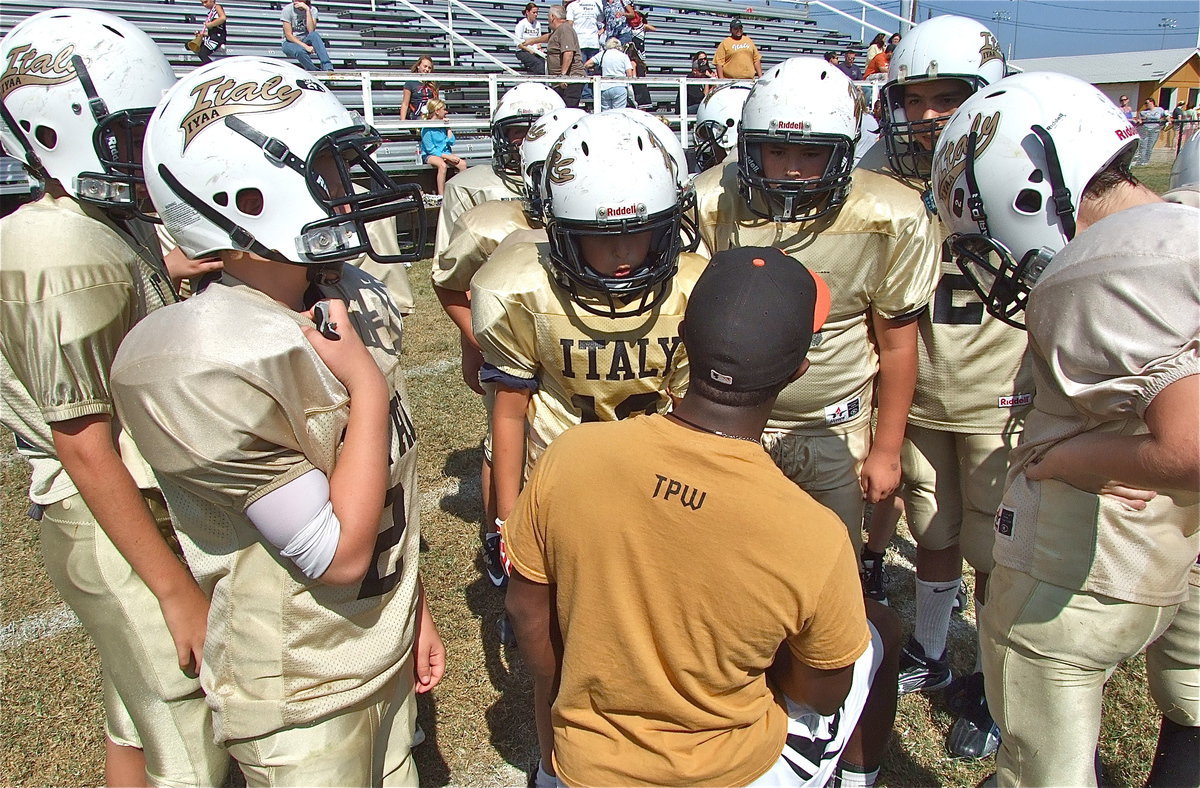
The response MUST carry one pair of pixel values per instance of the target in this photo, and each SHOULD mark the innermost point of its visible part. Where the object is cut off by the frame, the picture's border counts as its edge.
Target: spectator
(737, 57)
(1176, 122)
(641, 91)
(587, 17)
(1126, 107)
(895, 39)
(876, 47)
(879, 63)
(1150, 122)
(614, 64)
(701, 69)
(437, 145)
(418, 93)
(301, 41)
(1189, 123)
(213, 32)
(640, 25)
(644, 696)
(849, 67)
(617, 16)
(563, 57)
(831, 58)
(532, 57)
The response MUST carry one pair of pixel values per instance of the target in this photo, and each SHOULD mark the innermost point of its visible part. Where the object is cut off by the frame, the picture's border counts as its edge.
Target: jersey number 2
(646, 402)
(375, 584)
(944, 310)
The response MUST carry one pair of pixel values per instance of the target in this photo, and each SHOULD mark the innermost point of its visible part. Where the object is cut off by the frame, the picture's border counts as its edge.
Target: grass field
(478, 722)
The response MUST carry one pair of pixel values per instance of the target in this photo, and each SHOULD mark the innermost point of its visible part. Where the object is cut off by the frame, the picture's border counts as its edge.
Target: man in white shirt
(532, 58)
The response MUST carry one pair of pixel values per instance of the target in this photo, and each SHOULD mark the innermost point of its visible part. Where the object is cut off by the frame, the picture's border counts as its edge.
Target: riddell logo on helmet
(1126, 133)
(220, 97)
(27, 66)
(791, 125)
(622, 211)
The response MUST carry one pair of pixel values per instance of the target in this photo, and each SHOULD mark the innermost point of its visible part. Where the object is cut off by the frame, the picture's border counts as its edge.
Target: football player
(585, 327)
(273, 410)
(869, 238)
(78, 272)
(973, 382)
(717, 118)
(476, 231)
(1097, 533)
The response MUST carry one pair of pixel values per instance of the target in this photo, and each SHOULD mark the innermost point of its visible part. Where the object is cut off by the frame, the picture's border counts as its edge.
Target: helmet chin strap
(1058, 184)
(32, 162)
(95, 103)
(974, 200)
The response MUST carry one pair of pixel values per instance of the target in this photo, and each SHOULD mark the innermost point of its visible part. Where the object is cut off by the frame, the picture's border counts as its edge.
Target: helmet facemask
(644, 287)
(787, 199)
(710, 148)
(902, 137)
(506, 154)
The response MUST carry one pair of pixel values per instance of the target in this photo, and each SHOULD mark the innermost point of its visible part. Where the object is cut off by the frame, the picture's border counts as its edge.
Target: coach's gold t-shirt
(681, 561)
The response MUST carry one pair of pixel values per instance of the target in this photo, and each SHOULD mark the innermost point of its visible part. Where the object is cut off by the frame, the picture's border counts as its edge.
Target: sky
(1048, 28)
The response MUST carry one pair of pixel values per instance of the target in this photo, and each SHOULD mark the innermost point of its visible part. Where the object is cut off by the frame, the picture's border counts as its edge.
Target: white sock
(978, 641)
(849, 777)
(934, 603)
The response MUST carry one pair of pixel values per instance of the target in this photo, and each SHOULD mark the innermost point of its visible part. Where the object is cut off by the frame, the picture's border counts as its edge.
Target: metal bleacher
(374, 44)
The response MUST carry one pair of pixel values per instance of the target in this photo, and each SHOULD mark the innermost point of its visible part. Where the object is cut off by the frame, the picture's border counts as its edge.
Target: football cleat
(974, 734)
(508, 637)
(919, 673)
(873, 576)
(493, 561)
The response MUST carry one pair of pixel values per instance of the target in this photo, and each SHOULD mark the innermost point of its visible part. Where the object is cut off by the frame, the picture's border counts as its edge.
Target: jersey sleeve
(218, 430)
(836, 633)
(464, 254)
(505, 332)
(912, 272)
(70, 339)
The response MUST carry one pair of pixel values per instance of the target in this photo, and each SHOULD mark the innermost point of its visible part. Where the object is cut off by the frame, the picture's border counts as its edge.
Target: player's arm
(508, 445)
(88, 454)
(530, 609)
(897, 340)
(429, 653)
(1130, 466)
(457, 306)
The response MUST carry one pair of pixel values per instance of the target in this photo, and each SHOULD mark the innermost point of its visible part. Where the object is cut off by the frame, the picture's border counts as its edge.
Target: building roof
(1150, 66)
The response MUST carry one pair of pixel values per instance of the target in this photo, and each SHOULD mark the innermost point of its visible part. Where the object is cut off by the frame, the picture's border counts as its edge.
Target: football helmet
(583, 198)
(717, 119)
(75, 95)
(683, 179)
(518, 107)
(1185, 172)
(1009, 171)
(251, 153)
(945, 47)
(544, 132)
(801, 101)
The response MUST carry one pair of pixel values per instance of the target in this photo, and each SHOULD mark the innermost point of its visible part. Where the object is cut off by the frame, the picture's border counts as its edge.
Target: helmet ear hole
(1028, 201)
(249, 201)
(1036, 176)
(25, 125)
(221, 199)
(46, 136)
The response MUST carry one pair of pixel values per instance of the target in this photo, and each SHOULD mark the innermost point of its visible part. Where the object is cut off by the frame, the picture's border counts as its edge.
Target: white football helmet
(801, 101)
(544, 132)
(945, 47)
(1009, 171)
(75, 95)
(1185, 172)
(519, 107)
(251, 153)
(607, 175)
(717, 120)
(683, 179)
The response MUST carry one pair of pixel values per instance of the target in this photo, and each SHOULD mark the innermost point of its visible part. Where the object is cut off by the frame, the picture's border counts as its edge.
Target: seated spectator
(895, 40)
(641, 91)
(879, 63)
(831, 58)
(613, 64)
(849, 67)
(877, 45)
(301, 41)
(532, 57)
(417, 94)
(701, 69)
(437, 145)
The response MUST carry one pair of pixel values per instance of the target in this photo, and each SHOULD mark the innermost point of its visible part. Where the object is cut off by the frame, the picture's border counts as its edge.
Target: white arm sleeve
(298, 519)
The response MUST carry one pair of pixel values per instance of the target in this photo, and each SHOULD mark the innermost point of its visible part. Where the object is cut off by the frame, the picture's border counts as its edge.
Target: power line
(1090, 10)
(1057, 29)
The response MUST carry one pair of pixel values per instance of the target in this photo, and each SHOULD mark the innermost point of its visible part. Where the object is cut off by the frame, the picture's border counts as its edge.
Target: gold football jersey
(228, 402)
(393, 275)
(474, 237)
(72, 284)
(473, 186)
(877, 253)
(973, 375)
(588, 367)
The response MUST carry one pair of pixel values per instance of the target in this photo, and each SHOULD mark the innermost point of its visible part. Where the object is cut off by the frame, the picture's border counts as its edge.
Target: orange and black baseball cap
(751, 318)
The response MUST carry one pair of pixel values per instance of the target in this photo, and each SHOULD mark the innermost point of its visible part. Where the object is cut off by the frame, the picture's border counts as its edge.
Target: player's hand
(1067, 462)
(472, 360)
(180, 266)
(186, 615)
(347, 357)
(428, 650)
(880, 476)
